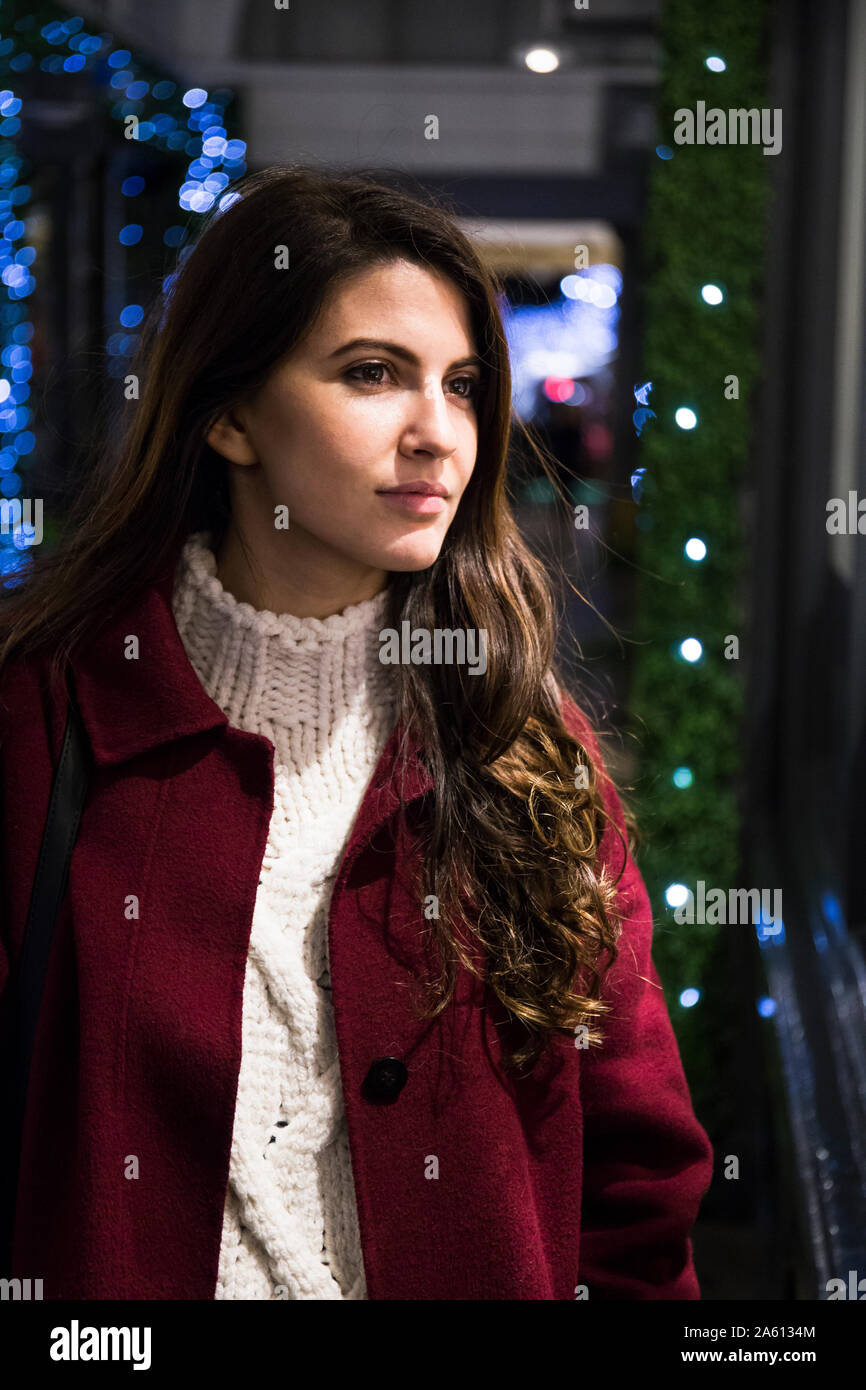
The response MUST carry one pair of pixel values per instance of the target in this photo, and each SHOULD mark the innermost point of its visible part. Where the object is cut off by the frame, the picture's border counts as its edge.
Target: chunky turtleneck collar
(273, 672)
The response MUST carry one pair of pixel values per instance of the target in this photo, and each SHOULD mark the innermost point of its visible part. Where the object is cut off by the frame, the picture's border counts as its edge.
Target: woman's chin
(407, 559)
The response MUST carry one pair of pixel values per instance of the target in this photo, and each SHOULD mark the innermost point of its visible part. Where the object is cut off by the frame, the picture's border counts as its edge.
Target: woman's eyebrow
(397, 351)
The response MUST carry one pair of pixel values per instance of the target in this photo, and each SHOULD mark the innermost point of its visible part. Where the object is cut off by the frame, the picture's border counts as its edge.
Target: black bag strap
(24, 989)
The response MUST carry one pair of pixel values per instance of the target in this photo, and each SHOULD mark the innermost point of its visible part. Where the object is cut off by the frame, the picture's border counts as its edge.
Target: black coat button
(385, 1080)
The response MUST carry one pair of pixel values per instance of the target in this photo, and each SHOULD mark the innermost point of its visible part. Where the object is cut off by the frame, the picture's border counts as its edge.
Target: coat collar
(130, 707)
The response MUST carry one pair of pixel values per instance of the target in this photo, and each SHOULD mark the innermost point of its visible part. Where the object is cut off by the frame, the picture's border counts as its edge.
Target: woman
(351, 993)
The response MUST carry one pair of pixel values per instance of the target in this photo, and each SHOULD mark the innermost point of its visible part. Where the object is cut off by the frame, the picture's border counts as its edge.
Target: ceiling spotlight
(542, 60)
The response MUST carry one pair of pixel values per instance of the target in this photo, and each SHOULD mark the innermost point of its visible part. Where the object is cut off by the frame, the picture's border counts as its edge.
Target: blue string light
(16, 330)
(215, 160)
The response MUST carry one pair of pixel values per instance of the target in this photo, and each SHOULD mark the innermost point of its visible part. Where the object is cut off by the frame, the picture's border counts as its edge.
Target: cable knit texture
(317, 690)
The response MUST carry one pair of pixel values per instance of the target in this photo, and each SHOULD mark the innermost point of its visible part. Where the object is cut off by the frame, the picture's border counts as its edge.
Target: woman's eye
(470, 383)
(366, 367)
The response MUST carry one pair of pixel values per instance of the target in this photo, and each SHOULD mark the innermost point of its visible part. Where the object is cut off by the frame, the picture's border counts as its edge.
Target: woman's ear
(228, 437)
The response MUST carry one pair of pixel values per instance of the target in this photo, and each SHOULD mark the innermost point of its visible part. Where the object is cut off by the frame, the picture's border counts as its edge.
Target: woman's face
(339, 422)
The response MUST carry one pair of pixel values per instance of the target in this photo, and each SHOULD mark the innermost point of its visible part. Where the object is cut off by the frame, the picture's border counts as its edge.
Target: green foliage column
(706, 227)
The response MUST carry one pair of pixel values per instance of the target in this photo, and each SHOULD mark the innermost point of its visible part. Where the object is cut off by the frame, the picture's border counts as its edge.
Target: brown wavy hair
(510, 832)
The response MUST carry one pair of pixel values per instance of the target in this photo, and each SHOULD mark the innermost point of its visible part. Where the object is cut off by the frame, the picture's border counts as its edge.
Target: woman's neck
(291, 572)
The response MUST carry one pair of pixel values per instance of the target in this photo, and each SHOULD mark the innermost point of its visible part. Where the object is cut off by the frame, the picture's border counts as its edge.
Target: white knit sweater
(317, 690)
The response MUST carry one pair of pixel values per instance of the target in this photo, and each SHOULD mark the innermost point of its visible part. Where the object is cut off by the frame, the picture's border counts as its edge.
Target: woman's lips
(419, 503)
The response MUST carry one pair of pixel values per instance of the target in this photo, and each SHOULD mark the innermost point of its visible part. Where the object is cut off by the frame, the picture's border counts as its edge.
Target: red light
(598, 441)
(559, 388)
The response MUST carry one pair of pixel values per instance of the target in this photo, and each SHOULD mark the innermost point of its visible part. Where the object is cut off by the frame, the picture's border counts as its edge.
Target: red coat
(589, 1172)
